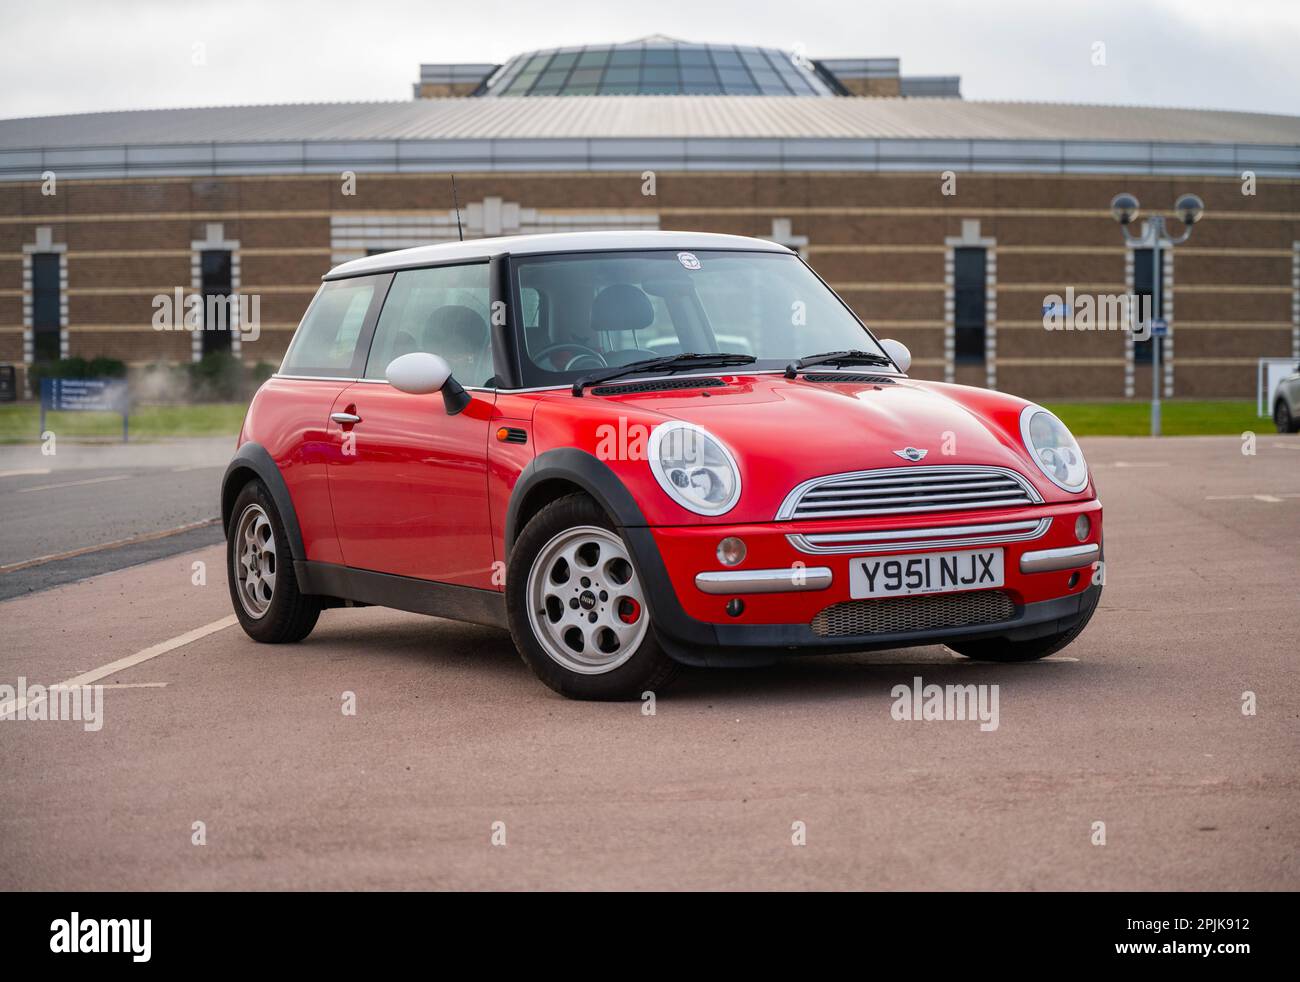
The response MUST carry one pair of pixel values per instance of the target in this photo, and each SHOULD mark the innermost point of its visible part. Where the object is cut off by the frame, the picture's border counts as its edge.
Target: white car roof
(520, 245)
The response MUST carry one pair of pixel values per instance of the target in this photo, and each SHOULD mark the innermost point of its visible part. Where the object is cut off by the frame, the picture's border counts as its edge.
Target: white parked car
(1286, 404)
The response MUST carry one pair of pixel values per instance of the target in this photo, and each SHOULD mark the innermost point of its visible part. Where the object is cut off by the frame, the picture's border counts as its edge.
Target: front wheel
(1000, 650)
(577, 607)
(263, 587)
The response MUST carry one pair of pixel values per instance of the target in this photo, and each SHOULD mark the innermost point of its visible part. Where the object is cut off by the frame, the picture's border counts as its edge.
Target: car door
(290, 415)
(409, 485)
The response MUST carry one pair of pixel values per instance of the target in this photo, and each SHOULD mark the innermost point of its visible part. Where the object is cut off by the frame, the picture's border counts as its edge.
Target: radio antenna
(456, 204)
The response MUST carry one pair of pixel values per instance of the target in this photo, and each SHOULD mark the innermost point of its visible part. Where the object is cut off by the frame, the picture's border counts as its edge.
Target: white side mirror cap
(897, 351)
(418, 373)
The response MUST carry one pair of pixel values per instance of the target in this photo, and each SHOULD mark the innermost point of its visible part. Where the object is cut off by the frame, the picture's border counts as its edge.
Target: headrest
(454, 330)
(621, 307)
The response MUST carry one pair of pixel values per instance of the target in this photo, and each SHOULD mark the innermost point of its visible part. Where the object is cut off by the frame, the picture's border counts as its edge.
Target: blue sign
(1159, 328)
(105, 395)
(78, 394)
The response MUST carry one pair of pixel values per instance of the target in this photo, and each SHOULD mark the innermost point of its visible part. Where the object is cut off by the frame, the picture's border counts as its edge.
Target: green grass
(21, 422)
(1178, 418)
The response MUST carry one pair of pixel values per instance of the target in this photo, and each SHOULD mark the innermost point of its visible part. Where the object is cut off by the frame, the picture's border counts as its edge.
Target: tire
(269, 607)
(1283, 419)
(577, 609)
(1001, 650)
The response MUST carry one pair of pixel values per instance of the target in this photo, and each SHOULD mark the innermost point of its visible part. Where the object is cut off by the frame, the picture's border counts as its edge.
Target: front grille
(899, 615)
(907, 490)
(657, 385)
(849, 377)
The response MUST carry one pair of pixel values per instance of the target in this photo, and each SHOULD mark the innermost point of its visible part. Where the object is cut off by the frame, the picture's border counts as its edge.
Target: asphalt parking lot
(1138, 725)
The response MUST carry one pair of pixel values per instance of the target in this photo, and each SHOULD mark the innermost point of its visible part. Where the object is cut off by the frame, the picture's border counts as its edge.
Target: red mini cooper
(638, 450)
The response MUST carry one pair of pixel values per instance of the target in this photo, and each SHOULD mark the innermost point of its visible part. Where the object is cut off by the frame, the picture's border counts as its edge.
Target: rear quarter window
(328, 341)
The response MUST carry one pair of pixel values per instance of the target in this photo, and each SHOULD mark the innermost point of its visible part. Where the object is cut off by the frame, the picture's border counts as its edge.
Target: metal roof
(631, 132)
(552, 242)
(650, 116)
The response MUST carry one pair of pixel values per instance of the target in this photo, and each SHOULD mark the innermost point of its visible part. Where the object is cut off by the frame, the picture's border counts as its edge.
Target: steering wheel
(572, 363)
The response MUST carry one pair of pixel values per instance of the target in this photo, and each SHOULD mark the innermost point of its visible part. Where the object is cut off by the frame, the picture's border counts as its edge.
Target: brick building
(945, 223)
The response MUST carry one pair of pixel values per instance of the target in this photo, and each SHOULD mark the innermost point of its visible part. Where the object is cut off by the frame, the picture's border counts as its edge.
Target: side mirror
(421, 373)
(898, 352)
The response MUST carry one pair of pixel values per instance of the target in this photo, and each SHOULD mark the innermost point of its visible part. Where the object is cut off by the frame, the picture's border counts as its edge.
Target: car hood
(785, 431)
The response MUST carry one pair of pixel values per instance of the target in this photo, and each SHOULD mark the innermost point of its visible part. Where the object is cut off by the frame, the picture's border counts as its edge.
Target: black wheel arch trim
(254, 457)
(574, 467)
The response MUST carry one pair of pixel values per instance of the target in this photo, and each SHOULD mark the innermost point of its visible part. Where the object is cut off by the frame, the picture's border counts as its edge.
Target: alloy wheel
(255, 560)
(586, 605)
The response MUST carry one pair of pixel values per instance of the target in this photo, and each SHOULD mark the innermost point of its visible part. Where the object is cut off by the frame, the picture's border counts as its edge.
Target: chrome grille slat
(900, 491)
(1008, 503)
(993, 482)
(921, 480)
(910, 540)
(895, 499)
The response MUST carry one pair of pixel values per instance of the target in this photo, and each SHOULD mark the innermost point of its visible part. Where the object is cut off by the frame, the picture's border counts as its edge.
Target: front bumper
(792, 573)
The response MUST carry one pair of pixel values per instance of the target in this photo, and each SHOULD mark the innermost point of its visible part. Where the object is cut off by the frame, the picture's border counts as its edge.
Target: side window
(326, 340)
(442, 310)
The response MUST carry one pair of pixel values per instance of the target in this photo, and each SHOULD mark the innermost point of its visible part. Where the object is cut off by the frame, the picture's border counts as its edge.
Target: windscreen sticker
(688, 260)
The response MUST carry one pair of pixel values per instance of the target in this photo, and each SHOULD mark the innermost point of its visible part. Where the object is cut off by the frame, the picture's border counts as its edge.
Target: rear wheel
(263, 587)
(577, 608)
(1283, 419)
(1000, 650)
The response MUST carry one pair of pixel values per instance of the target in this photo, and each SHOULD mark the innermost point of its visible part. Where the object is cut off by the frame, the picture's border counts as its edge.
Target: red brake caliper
(628, 610)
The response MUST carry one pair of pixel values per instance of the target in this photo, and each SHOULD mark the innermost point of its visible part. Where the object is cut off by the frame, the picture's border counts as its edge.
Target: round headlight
(1054, 449)
(694, 468)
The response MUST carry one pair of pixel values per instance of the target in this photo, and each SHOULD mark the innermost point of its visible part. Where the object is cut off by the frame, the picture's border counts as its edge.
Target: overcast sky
(67, 56)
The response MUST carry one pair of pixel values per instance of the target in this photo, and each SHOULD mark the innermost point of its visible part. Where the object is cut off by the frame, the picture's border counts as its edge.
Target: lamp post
(1124, 208)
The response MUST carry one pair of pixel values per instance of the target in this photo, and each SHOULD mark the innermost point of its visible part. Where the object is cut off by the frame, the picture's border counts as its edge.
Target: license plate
(929, 572)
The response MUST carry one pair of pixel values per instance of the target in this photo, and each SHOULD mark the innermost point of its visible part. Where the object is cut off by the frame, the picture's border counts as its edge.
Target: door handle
(345, 418)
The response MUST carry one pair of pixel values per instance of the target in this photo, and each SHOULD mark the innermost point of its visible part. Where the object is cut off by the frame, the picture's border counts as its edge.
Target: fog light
(731, 551)
(1082, 526)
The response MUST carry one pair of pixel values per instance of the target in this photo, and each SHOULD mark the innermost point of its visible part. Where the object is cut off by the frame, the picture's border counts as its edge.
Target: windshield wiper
(670, 363)
(837, 358)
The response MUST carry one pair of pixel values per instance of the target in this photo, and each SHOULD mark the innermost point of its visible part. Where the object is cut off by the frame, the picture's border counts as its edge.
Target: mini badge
(689, 260)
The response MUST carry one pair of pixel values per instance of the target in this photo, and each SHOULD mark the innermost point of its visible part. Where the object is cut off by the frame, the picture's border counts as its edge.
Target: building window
(46, 303)
(970, 278)
(1143, 286)
(216, 282)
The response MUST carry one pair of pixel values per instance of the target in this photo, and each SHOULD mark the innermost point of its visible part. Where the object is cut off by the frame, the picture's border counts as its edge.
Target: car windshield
(582, 312)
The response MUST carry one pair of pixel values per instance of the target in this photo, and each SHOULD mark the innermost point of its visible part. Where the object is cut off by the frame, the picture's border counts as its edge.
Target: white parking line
(1271, 499)
(25, 473)
(135, 685)
(15, 706)
(129, 541)
(74, 484)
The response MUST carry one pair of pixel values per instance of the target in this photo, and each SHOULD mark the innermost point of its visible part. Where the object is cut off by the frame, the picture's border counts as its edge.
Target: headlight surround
(1054, 449)
(694, 468)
